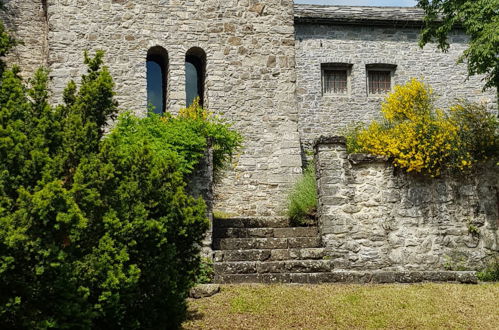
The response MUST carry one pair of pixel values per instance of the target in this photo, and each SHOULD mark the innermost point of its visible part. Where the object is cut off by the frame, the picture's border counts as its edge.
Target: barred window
(379, 78)
(335, 78)
(379, 82)
(334, 82)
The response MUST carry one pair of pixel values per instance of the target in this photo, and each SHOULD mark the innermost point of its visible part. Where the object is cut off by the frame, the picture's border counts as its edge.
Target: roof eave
(363, 22)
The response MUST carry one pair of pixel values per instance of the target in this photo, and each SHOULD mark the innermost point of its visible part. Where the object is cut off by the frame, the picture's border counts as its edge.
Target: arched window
(157, 72)
(195, 68)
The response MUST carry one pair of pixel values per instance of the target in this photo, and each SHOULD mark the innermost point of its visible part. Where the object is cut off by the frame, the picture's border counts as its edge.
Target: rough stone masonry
(263, 70)
(372, 217)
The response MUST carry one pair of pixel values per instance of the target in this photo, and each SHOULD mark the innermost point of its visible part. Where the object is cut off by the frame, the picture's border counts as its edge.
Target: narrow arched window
(195, 68)
(157, 71)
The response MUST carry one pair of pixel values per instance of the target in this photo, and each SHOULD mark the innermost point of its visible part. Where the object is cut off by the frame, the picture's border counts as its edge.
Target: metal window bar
(334, 82)
(379, 82)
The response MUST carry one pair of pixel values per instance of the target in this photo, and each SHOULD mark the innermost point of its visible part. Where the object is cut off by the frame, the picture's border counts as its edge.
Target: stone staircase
(266, 250)
(269, 250)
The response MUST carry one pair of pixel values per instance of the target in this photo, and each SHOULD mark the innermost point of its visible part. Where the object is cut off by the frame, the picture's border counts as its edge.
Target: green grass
(302, 201)
(397, 306)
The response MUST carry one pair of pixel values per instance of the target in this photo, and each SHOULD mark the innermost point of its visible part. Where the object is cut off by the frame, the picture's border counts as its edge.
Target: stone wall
(200, 184)
(372, 217)
(364, 44)
(250, 75)
(256, 67)
(26, 20)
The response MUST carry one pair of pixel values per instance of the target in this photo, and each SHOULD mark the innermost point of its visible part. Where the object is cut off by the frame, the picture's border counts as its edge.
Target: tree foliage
(96, 231)
(480, 21)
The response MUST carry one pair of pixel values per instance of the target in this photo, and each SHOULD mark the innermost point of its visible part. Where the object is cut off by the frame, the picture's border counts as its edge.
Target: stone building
(284, 74)
(371, 49)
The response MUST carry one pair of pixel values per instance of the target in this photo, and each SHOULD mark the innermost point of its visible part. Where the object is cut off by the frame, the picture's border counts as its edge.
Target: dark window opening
(195, 67)
(334, 82)
(379, 78)
(157, 72)
(379, 82)
(335, 78)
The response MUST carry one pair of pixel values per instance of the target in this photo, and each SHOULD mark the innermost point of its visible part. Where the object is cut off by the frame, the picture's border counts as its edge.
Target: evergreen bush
(97, 231)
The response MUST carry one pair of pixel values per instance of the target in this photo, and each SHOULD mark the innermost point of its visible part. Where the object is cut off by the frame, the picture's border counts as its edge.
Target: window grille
(334, 81)
(379, 82)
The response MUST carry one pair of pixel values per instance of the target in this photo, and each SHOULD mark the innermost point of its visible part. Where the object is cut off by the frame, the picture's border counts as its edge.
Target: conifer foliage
(95, 231)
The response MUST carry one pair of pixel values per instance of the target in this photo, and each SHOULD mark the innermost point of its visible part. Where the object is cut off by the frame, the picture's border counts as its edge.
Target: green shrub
(491, 272)
(206, 272)
(302, 201)
(351, 134)
(97, 231)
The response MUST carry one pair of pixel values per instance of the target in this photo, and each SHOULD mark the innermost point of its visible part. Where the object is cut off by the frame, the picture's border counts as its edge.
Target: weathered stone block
(204, 291)
(304, 242)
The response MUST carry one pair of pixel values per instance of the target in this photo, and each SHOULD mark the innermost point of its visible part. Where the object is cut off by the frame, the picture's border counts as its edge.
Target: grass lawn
(395, 306)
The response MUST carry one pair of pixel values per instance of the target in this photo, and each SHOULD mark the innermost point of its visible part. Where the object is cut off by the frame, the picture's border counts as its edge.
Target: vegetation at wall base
(97, 231)
(206, 273)
(491, 272)
(302, 201)
(420, 138)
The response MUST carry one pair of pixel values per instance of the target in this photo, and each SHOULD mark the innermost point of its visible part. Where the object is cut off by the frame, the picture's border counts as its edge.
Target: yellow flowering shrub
(419, 138)
(194, 111)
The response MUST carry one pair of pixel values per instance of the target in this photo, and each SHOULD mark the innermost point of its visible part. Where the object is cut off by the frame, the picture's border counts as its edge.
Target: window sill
(377, 96)
(328, 96)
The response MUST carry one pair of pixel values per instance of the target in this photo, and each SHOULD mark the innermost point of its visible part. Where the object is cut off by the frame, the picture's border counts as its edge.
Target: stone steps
(247, 248)
(265, 243)
(267, 267)
(265, 232)
(269, 254)
(350, 277)
(255, 222)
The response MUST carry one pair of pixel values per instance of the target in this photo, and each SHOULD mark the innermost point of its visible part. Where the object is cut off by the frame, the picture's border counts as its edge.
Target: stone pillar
(201, 185)
(331, 163)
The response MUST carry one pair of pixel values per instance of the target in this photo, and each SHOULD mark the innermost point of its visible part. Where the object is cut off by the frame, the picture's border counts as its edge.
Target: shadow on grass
(194, 315)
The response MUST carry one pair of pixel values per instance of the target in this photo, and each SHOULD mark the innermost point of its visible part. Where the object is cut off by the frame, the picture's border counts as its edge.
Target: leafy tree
(479, 19)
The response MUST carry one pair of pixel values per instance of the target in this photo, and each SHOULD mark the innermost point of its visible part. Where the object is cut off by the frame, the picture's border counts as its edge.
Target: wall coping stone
(340, 140)
(357, 159)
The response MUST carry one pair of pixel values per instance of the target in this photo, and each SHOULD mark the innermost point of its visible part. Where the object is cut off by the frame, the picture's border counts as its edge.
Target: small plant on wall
(302, 201)
(491, 272)
(420, 138)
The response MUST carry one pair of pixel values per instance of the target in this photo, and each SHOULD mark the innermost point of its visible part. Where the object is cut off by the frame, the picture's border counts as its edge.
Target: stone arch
(157, 78)
(195, 75)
